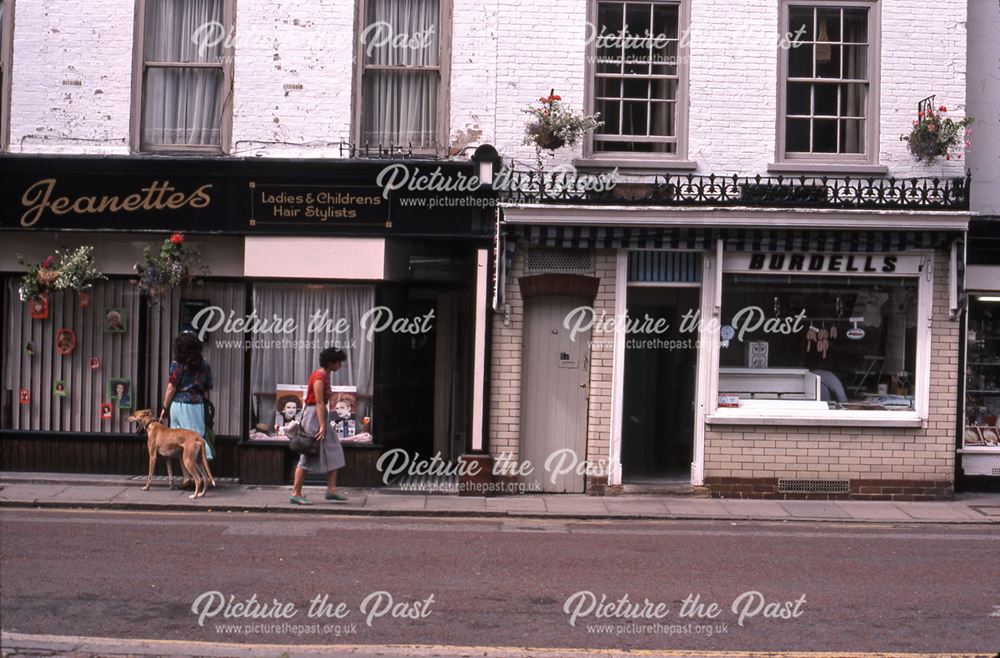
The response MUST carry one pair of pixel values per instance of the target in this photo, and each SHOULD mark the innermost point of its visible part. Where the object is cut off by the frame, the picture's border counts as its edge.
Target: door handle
(583, 386)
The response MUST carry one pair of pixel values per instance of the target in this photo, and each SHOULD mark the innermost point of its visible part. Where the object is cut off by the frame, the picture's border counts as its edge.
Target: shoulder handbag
(299, 441)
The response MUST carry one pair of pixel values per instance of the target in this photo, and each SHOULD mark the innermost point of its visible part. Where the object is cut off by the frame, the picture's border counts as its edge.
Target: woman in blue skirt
(188, 384)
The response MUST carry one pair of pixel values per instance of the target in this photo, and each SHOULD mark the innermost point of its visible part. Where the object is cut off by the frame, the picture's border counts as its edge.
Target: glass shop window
(818, 342)
(311, 318)
(71, 360)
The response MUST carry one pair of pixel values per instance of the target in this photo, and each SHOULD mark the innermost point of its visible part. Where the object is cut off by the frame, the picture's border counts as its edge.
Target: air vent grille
(814, 486)
(559, 261)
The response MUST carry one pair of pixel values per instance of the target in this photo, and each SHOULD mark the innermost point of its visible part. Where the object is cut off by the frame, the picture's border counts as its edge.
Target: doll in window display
(345, 421)
(286, 410)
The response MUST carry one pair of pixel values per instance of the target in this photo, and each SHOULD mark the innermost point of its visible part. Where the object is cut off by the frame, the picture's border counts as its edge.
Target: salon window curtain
(290, 358)
(223, 350)
(32, 363)
(182, 105)
(401, 76)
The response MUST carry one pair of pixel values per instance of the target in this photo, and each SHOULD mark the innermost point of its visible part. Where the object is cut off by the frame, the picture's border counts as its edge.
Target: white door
(554, 394)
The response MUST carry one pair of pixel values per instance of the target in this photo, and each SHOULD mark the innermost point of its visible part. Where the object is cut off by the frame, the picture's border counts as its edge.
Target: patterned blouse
(191, 385)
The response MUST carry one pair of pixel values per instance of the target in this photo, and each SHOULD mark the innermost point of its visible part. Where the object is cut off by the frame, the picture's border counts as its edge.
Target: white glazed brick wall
(505, 369)
(856, 452)
(602, 366)
(71, 77)
(505, 54)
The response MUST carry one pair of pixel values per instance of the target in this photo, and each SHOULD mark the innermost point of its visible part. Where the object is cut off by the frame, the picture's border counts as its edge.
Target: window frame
(681, 105)
(6, 54)
(918, 417)
(139, 69)
(873, 104)
(442, 120)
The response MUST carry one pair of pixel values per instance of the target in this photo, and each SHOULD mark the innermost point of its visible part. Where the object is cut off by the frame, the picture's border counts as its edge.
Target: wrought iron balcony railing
(573, 187)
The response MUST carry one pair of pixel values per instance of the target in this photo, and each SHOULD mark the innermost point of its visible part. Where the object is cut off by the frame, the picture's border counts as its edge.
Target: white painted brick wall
(57, 42)
(505, 54)
(984, 104)
(297, 42)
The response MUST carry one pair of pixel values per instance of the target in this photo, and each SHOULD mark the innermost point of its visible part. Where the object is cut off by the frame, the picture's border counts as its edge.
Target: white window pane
(856, 62)
(184, 31)
(800, 61)
(182, 107)
(853, 100)
(856, 26)
(401, 33)
(800, 23)
(828, 25)
(852, 136)
(400, 107)
(799, 98)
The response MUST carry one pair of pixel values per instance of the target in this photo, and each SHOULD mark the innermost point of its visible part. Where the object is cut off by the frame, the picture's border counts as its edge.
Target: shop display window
(803, 343)
(223, 348)
(71, 361)
(311, 318)
(982, 373)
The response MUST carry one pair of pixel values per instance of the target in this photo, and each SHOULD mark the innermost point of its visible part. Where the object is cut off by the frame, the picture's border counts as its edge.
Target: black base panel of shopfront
(127, 455)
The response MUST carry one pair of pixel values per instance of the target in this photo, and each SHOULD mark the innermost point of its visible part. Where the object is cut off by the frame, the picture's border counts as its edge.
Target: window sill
(790, 417)
(634, 164)
(826, 168)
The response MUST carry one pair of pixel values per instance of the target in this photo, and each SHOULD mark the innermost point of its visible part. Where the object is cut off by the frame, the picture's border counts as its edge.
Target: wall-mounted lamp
(488, 162)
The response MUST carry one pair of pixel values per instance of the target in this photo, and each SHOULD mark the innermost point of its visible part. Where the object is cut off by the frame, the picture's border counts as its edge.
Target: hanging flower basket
(175, 265)
(46, 277)
(934, 135)
(554, 125)
(66, 270)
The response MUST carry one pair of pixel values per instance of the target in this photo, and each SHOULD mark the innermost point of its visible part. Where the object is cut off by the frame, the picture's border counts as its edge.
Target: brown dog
(170, 442)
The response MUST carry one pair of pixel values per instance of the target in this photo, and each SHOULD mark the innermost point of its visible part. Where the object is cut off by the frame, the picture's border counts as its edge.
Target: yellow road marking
(80, 644)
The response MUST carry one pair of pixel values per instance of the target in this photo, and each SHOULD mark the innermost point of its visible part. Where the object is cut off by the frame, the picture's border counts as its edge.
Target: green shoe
(336, 496)
(299, 500)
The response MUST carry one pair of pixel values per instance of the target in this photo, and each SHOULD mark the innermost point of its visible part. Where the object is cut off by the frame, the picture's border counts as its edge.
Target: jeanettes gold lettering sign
(42, 197)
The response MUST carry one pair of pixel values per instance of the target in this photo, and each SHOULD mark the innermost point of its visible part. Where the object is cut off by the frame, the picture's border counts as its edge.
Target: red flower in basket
(49, 262)
(177, 238)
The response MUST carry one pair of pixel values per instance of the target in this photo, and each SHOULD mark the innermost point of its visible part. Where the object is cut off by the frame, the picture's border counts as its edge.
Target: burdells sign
(826, 263)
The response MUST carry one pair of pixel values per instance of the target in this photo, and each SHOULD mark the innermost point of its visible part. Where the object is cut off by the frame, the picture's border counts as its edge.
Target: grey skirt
(331, 453)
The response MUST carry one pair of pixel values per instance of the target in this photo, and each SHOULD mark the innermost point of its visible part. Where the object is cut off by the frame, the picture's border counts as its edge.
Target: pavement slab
(29, 489)
(814, 509)
(31, 492)
(407, 503)
(752, 509)
(632, 507)
(575, 504)
(455, 503)
(88, 493)
(861, 510)
(523, 504)
(688, 507)
(941, 512)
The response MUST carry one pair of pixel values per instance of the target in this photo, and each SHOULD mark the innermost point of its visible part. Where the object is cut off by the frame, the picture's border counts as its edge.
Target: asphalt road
(797, 587)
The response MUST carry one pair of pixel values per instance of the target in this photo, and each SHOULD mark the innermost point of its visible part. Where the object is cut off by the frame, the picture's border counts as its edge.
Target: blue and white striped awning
(704, 239)
(736, 239)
